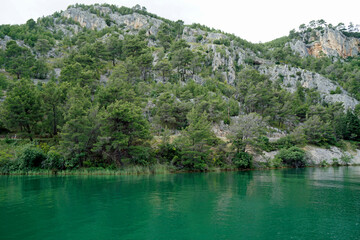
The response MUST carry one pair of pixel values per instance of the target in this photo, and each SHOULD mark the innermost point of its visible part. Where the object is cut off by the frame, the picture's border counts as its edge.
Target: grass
(129, 170)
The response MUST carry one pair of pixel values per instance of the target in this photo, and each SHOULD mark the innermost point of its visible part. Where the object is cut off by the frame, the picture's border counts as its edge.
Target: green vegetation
(120, 98)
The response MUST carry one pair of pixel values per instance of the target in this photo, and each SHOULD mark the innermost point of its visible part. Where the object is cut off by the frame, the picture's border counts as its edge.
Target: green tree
(114, 47)
(164, 36)
(123, 131)
(246, 129)
(42, 46)
(54, 97)
(18, 60)
(164, 68)
(22, 108)
(198, 133)
(81, 128)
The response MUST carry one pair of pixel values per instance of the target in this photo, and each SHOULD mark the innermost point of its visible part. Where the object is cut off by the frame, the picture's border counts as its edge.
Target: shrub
(141, 155)
(294, 157)
(335, 162)
(346, 159)
(31, 157)
(193, 160)
(242, 160)
(54, 160)
(167, 152)
(7, 166)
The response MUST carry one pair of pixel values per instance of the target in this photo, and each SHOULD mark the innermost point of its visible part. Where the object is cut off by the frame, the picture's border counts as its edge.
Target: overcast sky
(253, 20)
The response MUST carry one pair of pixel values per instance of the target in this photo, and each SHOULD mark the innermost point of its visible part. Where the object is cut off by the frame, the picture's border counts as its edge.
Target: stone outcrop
(289, 77)
(318, 156)
(85, 19)
(137, 21)
(329, 42)
(128, 22)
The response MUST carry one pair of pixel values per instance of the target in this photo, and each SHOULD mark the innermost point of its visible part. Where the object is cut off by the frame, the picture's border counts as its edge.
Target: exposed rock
(222, 58)
(85, 19)
(290, 77)
(137, 21)
(190, 34)
(329, 42)
(317, 155)
(334, 43)
(299, 47)
(265, 157)
(6, 39)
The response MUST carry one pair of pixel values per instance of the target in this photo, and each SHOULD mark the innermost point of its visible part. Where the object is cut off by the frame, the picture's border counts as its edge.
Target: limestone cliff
(289, 77)
(329, 42)
(129, 22)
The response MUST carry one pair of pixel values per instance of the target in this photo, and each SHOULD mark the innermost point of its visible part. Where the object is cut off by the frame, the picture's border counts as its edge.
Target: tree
(53, 96)
(164, 68)
(22, 108)
(42, 46)
(114, 47)
(199, 131)
(144, 62)
(317, 131)
(18, 60)
(164, 36)
(246, 129)
(81, 128)
(40, 69)
(123, 130)
(133, 46)
(182, 59)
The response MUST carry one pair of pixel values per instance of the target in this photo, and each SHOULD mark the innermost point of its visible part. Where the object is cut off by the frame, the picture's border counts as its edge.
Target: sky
(253, 20)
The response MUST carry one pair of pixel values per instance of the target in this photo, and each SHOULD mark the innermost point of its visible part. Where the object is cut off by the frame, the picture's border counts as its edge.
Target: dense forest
(75, 97)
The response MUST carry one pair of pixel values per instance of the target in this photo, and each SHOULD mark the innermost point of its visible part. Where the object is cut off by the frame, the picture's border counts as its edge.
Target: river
(310, 203)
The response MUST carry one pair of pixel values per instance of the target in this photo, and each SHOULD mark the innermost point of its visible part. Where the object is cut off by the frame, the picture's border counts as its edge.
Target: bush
(346, 159)
(242, 160)
(54, 160)
(7, 166)
(31, 157)
(294, 157)
(141, 155)
(193, 160)
(167, 152)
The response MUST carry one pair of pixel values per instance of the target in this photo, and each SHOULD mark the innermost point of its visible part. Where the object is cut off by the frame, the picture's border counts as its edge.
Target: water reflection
(250, 205)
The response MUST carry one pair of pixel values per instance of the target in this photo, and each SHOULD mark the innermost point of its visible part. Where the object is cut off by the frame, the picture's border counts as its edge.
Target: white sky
(253, 20)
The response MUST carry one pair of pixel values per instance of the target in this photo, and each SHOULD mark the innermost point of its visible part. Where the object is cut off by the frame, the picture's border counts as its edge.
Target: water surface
(311, 203)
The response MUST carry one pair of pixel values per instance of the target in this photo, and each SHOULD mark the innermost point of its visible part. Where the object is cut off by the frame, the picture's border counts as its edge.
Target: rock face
(317, 155)
(137, 21)
(85, 19)
(129, 22)
(329, 42)
(289, 77)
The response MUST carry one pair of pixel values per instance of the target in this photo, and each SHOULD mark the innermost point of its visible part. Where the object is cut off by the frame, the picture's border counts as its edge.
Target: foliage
(32, 157)
(108, 92)
(293, 156)
(242, 160)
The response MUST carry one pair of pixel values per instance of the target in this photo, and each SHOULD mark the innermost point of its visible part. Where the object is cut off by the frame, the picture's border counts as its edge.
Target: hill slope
(116, 86)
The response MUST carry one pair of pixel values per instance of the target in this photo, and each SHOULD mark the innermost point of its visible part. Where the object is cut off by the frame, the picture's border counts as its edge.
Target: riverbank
(146, 170)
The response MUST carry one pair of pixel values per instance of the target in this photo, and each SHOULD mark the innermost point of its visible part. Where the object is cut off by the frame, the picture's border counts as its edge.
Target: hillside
(107, 86)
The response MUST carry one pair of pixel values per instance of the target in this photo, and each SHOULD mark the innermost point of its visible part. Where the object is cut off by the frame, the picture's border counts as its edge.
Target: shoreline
(146, 171)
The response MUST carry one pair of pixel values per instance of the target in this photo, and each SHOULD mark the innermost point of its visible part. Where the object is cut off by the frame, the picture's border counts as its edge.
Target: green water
(312, 203)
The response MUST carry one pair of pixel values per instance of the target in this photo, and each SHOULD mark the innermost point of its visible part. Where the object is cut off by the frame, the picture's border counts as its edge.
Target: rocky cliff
(329, 42)
(290, 77)
(129, 22)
